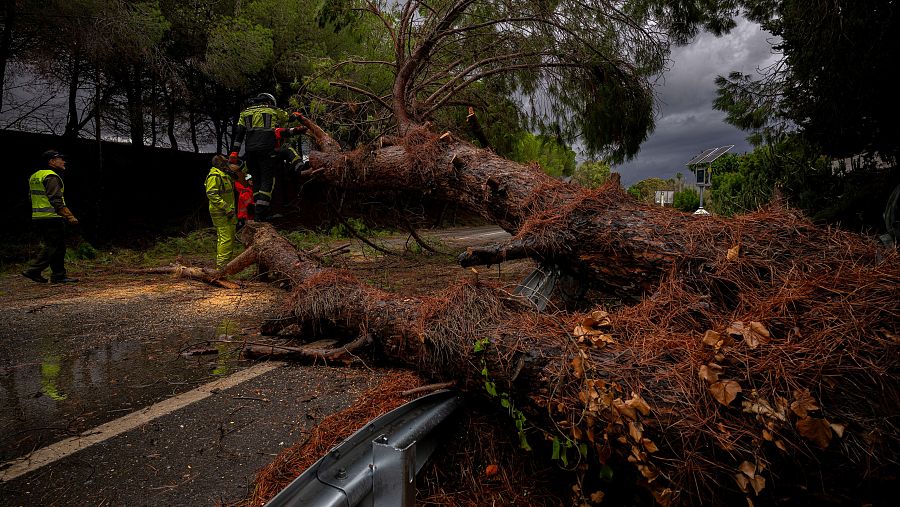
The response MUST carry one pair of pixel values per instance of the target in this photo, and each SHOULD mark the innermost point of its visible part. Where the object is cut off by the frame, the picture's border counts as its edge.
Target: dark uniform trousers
(265, 167)
(53, 254)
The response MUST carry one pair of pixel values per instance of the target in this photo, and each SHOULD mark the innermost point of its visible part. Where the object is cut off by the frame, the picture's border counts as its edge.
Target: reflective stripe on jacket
(220, 192)
(40, 202)
(258, 124)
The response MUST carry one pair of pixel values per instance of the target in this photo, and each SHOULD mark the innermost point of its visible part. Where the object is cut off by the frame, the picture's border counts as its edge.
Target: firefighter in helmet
(262, 130)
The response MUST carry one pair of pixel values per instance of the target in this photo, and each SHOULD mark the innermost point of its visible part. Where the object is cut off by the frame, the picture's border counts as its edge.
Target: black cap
(51, 154)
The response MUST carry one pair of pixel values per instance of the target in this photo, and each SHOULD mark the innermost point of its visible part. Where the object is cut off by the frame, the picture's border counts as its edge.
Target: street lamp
(702, 167)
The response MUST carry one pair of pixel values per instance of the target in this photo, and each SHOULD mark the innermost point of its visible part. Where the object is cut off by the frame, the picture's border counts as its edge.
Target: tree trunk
(192, 119)
(759, 347)
(170, 118)
(604, 236)
(10, 11)
(73, 120)
(134, 95)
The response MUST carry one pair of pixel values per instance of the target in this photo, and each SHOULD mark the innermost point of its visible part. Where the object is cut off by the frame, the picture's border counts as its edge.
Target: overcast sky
(686, 122)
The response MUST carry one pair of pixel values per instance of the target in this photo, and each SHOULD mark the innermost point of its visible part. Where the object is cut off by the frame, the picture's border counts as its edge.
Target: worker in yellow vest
(220, 192)
(49, 214)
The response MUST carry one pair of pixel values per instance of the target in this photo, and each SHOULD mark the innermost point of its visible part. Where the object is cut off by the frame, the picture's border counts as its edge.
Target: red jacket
(244, 199)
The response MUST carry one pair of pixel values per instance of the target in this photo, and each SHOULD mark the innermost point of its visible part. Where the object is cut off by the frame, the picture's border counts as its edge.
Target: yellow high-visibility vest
(40, 203)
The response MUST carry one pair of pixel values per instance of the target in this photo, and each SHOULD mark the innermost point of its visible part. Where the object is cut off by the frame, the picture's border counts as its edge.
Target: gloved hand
(67, 214)
(233, 158)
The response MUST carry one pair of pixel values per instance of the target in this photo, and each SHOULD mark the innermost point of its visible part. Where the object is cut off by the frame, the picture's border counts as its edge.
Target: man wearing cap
(49, 214)
(261, 131)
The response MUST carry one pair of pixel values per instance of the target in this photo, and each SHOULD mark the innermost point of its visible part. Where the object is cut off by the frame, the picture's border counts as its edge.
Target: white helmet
(268, 97)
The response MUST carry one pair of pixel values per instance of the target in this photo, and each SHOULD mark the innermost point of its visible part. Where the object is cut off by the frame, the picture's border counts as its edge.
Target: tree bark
(622, 246)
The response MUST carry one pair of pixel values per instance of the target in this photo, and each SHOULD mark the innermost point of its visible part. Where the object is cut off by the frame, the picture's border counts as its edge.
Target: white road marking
(46, 455)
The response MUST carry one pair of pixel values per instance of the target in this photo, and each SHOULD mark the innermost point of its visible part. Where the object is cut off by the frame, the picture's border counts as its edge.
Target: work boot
(34, 276)
(64, 279)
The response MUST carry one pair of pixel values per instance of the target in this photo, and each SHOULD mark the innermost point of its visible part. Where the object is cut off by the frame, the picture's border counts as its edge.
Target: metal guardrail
(377, 465)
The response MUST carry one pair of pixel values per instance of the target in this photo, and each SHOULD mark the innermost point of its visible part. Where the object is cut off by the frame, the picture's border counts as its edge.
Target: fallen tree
(753, 376)
(752, 357)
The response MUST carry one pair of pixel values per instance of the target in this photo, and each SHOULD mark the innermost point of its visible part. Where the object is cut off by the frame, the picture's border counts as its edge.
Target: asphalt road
(98, 406)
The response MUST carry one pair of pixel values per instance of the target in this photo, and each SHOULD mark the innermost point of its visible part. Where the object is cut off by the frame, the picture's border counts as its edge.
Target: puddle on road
(63, 393)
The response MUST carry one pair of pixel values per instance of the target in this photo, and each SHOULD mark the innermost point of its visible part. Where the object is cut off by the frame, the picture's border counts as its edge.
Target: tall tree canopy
(577, 70)
(831, 82)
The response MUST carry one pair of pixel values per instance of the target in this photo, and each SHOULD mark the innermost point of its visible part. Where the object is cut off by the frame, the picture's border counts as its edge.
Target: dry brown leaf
(767, 435)
(761, 407)
(649, 445)
(733, 252)
(638, 403)
(815, 430)
(780, 444)
(736, 329)
(491, 470)
(748, 468)
(803, 403)
(636, 431)
(624, 409)
(576, 433)
(578, 366)
(725, 391)
(760, 329)
(742, 482)
(648, 472)
(758, 483)
(600, 317)
(664, 497)
(709, 374)
(601, 339)
(579, 331)
(597, 497)
(838, 429)
(711, 338)
(756, 334)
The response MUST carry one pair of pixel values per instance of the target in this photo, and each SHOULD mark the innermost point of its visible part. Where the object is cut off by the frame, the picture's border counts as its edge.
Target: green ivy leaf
(555, 452)
(606, 473)
(523, 442)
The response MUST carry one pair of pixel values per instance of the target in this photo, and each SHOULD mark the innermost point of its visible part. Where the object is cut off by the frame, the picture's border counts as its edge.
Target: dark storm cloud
(686, 123)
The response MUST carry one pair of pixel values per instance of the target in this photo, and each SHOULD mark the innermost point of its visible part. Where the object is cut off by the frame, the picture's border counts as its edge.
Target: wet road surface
(75, 358)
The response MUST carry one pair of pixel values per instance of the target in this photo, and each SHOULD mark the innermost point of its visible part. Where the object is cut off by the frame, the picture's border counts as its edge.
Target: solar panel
(700, 156)
(708, 156)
